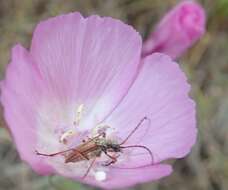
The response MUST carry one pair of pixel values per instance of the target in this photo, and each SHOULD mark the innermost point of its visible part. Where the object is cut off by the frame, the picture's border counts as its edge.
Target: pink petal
(87, 59)
(161, 93)
(122, 178)
(177, 31)
(20, 93)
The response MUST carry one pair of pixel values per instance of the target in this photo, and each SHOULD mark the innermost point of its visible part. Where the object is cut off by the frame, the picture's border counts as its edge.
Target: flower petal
(87, 59)
(160, 93)
(177, 31)
(19, 97)
(122, 178)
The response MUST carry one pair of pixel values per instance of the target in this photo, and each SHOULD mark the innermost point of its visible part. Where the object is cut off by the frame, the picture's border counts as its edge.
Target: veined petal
(160, 93)
(20, 93)
(122, 178)
(87, 59)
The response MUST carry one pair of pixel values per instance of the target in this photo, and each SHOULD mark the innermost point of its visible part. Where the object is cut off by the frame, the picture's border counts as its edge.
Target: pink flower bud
(177, 31)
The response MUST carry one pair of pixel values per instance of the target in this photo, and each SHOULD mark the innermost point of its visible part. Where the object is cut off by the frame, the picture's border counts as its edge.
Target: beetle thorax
(108, 145)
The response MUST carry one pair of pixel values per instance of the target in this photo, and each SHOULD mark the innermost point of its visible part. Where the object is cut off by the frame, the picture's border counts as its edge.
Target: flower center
(75, 151)
(72, 132)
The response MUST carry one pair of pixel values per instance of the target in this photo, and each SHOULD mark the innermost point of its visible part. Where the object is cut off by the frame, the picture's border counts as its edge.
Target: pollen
(67, 134)
(100, 175)
(98, 129)
(79, 113)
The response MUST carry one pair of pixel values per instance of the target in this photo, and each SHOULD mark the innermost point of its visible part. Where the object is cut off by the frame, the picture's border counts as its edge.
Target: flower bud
(177, 31)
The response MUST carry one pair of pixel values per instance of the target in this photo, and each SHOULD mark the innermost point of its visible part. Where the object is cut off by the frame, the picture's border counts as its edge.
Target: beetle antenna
(53, 154)
(144, 147)
(133, 131)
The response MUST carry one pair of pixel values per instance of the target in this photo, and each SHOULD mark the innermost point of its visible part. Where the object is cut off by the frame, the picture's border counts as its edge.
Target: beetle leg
(113, 159)
(89, 168)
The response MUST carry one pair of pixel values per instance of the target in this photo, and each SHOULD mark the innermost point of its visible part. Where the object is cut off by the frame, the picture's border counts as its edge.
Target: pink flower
(177, 31)
(84, 77)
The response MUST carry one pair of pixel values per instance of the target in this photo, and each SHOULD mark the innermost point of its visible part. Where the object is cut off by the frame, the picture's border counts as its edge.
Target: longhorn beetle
(94, 147)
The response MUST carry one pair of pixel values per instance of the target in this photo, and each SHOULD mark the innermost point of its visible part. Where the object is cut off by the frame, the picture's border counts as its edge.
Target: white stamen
(100, 176)
(64, 136)
(79, 114)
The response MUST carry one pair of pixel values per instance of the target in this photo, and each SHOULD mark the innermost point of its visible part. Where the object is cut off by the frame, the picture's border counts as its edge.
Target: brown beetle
(94, 147)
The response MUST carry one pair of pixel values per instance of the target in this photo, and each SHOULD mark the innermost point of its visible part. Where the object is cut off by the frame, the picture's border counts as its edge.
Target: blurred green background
(206, 65)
